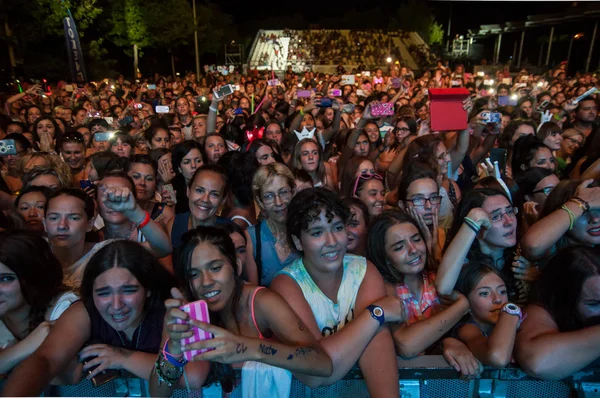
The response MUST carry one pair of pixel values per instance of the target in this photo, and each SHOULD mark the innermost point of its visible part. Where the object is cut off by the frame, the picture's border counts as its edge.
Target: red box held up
(446, 108)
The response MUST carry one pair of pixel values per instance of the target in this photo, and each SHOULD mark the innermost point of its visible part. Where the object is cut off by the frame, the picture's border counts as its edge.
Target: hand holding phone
(197, 310)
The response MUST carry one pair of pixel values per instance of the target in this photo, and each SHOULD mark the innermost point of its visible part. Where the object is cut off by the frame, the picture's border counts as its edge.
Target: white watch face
(378, 311)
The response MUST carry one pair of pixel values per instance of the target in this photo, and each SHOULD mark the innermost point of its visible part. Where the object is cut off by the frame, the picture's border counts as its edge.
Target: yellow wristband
(571, 216)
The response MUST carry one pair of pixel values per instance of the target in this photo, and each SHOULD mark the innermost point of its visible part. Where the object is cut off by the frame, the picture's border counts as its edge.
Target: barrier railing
(425, 376)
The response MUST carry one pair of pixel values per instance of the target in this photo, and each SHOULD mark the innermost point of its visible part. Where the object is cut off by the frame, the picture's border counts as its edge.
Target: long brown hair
(219, 238)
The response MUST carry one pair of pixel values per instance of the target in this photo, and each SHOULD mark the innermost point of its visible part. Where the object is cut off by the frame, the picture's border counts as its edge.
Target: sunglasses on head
(365, 176)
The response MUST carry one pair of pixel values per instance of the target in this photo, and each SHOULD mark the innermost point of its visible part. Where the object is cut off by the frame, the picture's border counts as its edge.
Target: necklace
(137, 339)
(282, 246)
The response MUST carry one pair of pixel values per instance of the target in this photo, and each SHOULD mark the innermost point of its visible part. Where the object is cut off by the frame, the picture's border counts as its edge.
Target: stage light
(389, 60)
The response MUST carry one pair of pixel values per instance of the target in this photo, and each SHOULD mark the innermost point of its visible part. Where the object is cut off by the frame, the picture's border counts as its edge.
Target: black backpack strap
(258, 258)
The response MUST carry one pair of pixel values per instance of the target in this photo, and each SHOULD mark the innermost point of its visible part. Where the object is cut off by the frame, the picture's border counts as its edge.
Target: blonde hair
(568, 133)
(265, 175)
(52, 162)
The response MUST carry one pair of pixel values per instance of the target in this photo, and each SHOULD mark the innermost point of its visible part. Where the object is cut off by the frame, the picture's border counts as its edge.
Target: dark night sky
(465, 14)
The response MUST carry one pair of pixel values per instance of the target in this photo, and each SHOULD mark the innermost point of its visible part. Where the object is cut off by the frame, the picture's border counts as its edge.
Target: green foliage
(51, 13)
(98, 64)
(436, 33)
(128, 24)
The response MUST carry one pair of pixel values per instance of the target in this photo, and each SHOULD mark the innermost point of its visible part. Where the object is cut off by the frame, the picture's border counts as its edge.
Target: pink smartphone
(197, 310)
(382, 109)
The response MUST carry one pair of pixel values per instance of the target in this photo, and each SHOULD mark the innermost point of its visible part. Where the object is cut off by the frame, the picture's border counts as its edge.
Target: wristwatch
(377, 313)
(513, 309)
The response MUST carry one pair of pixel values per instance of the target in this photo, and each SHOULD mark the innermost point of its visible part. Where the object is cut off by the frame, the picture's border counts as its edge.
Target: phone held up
(7, 147)
(197, 310)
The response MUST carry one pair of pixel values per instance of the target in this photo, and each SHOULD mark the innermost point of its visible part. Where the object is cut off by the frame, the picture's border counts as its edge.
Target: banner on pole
(76, 63)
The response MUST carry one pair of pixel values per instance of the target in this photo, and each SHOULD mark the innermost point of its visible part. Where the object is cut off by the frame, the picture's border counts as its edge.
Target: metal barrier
(422, 377)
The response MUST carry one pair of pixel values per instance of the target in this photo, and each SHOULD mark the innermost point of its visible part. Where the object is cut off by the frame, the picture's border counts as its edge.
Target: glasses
(283, 194)
(574, 141)
(366, 176)
(402, 129)
(434, 200)
(546, 191)
(499, 215)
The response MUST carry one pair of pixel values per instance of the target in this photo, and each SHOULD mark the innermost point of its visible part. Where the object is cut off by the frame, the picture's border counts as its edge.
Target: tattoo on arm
(302, 351)
(241, 348)
(267, 349)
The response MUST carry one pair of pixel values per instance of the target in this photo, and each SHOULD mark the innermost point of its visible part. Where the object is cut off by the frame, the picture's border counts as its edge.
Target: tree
(35, 32)
(129, 28)
(436, 34)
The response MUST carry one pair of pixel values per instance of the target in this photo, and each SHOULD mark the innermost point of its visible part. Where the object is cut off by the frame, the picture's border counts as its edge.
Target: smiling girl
(332, 292)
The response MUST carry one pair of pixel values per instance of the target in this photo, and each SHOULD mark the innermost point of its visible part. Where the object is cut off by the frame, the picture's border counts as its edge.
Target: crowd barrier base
(423, 377)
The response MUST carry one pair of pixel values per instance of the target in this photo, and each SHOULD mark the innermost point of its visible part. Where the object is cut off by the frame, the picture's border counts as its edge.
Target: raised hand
(119, 199)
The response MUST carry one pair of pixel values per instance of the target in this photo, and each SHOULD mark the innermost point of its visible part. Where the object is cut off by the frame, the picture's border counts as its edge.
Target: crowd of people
(318, 232)
(333, 47)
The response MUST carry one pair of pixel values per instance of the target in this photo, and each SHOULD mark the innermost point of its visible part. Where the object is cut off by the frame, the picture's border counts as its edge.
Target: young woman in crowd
(245, 316)
(122, 144)
(484, 233)
(72, 151)
(69, 216)
(357, 225)
(214, 147)
(32, 293)
(490, 330)
(30, 204)
(143, 172)
(356, 166)
(550, 134)
(531, 152)
(534, 187)
(116, 325)
(187, 158)
(47, 132)
(419, 194)
(571, 216)
(270, 251)
(331, 291)
(398, 250)
(207, 193)
(560, 335)
(158, 137)
(429, 152)
(370, 190)
(308, 156)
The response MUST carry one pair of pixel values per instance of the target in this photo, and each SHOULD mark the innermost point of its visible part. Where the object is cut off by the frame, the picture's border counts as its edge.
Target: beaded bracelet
(571, 216)
(166, 376)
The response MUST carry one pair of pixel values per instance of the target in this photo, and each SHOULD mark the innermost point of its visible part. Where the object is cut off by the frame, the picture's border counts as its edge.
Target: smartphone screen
(499, 155)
